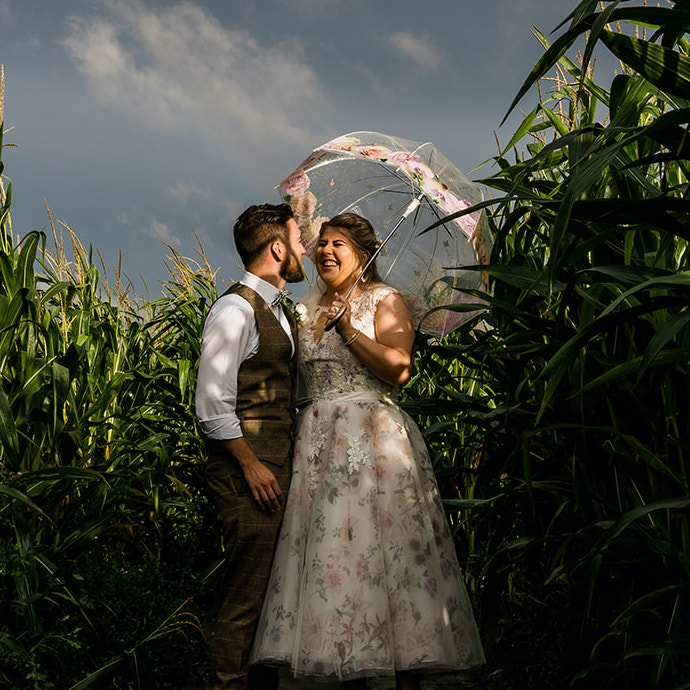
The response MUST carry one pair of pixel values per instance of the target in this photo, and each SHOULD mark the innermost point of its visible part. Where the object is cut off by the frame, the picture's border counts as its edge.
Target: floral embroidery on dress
(356, 455)
(313, 462)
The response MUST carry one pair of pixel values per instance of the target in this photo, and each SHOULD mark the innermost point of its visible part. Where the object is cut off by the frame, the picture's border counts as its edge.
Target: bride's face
(337, 261)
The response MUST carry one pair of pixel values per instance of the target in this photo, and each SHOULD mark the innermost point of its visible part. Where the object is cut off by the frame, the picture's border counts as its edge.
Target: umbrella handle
(339, 314)
(330, 323)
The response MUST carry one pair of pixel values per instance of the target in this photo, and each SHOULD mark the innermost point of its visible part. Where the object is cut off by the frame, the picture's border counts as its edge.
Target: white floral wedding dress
(365, 579)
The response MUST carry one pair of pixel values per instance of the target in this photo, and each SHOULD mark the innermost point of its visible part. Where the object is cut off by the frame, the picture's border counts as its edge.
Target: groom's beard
(291, 270)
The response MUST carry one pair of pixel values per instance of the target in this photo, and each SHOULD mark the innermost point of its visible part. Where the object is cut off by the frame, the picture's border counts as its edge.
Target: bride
(365, 578)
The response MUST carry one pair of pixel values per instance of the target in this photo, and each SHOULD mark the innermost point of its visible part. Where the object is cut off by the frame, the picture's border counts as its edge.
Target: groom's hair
(259, 226)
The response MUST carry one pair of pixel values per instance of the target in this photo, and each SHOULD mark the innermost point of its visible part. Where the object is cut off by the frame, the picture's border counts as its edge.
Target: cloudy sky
(143, 122)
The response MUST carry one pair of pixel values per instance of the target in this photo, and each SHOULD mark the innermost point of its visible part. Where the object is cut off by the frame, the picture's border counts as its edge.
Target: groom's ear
(277, 249)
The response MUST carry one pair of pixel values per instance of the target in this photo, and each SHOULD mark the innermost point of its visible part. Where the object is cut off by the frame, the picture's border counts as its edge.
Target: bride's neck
(329, 294)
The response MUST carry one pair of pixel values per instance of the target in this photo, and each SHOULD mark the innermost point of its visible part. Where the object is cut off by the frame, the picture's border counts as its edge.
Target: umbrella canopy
(377, 176)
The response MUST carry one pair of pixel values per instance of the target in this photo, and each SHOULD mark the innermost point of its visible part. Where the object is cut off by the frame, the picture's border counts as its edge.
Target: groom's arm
(230, 337)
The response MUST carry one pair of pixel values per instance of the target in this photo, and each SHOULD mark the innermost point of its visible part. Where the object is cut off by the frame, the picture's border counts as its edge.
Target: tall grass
(570, 430)
(105, 534)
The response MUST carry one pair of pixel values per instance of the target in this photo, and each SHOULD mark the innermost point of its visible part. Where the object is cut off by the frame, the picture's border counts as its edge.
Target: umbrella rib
(410, 188)
(362, 198)
(408, 239)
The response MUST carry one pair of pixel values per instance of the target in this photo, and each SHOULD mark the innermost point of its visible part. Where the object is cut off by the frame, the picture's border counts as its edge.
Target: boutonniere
(298, 310)
(301, 314)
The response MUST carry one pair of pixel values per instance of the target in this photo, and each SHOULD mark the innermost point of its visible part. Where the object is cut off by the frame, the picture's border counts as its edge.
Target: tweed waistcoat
(265, 385)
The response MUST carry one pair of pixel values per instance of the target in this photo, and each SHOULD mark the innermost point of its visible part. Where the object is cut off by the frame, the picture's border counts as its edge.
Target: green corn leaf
(556, 122)
(557, 366)
(679, 280)
(9, 441)
(655, 212)
(7, 273)
(106, 671)
(601, 19)
(524, 129)
(40, 479)
(5, 209)
(667, 332)
(613, 532)
(633, 368)
(468, 503)
(545, 63)
(22, 498)
(57, 288)
(665, 68)
(26, 259)
(678, 646)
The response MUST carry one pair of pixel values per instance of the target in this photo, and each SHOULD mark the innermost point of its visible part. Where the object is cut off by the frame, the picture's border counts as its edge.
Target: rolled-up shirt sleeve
(230, 336)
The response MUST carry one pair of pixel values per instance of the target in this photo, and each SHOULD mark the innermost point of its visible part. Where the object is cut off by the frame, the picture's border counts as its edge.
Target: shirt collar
(264, 289)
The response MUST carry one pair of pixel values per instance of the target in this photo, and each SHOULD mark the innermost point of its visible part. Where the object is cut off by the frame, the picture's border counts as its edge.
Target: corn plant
(105, 535)
(570, 458)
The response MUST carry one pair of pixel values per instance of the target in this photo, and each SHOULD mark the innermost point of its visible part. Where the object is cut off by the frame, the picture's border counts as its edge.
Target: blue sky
(143, 122)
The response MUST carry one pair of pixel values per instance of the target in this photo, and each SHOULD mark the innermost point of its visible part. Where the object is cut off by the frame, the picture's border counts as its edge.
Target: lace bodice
(328, 370)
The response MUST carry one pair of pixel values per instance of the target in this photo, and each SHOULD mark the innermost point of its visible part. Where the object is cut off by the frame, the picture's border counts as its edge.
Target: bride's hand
(343, 324)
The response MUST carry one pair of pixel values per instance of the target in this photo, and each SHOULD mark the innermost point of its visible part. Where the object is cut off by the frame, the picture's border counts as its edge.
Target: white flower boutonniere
(298, 310)
(301, 314)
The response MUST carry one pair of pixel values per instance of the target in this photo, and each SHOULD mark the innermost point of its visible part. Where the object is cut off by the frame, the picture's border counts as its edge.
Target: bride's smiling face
(337, 260)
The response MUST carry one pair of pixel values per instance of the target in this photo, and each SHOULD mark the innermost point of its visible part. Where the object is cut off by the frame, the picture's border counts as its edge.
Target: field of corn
(560, 426)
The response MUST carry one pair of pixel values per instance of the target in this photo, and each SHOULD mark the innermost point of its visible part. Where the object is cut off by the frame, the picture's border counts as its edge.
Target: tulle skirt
(365, 579)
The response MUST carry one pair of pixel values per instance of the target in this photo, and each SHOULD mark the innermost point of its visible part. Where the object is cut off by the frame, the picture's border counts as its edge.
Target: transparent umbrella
(402, 187)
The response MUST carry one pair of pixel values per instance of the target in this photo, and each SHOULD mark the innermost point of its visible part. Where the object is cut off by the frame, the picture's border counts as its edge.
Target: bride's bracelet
(352, 338)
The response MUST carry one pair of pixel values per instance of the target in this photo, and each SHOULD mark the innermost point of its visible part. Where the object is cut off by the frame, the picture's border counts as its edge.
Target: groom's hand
(261, 481)
(264, 486)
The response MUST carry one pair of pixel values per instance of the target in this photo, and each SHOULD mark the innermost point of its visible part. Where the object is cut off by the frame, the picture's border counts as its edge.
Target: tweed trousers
(249, 535)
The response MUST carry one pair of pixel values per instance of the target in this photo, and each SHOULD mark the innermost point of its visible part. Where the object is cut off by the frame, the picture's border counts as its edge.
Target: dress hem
(423, 669)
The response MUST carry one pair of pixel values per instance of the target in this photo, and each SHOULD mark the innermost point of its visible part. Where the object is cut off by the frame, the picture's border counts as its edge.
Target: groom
(244, 402)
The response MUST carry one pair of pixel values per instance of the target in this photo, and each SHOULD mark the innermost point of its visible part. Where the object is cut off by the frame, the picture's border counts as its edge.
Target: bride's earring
(363, 279)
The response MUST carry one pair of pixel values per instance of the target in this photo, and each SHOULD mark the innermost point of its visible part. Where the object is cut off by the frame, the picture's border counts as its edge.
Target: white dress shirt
(230, 336)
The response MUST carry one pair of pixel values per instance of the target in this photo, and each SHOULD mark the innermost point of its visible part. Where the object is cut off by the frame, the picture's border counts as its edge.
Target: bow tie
(282, 294)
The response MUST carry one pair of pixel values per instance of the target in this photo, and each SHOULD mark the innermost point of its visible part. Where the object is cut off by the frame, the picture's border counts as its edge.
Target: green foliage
(105, 533)
(562, 420)
(559, 419)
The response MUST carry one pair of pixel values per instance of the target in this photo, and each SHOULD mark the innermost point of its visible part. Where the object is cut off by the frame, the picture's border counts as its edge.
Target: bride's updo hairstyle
(361, 233)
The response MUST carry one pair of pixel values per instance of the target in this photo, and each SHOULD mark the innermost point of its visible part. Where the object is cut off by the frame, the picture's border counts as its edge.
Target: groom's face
(291, 269)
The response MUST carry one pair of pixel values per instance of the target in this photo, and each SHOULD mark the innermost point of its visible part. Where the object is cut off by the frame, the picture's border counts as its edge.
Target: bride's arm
(389, 356)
